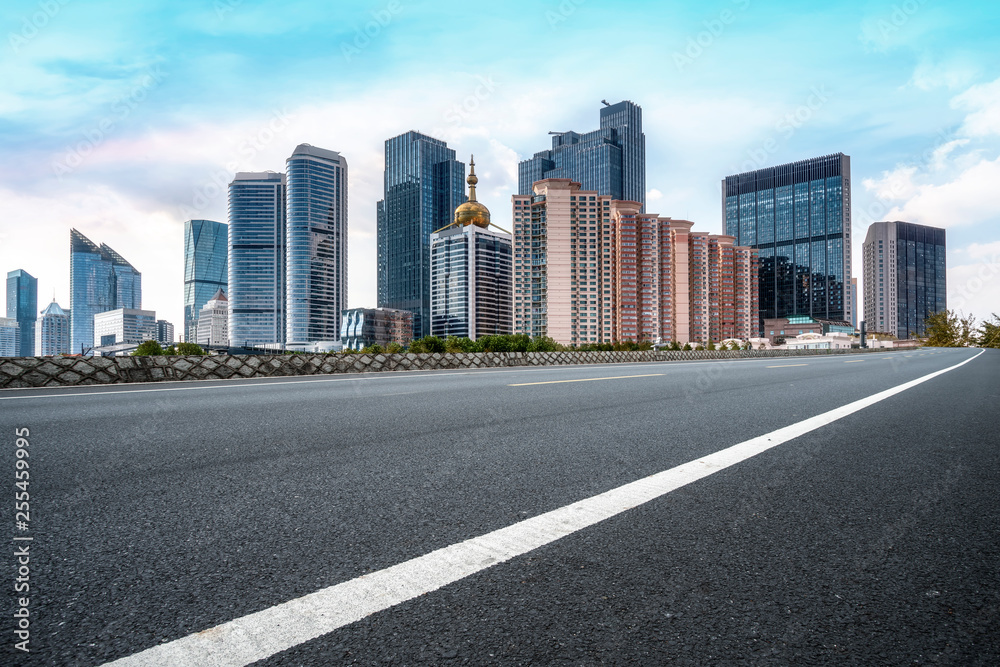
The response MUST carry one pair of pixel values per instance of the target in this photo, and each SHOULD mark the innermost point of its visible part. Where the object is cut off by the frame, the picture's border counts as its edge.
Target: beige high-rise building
(590, 269)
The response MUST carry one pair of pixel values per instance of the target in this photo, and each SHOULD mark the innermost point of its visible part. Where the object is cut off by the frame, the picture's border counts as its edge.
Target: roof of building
(53, 309)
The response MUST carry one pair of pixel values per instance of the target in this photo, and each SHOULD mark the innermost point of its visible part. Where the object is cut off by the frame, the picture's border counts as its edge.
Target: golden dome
(472, 212)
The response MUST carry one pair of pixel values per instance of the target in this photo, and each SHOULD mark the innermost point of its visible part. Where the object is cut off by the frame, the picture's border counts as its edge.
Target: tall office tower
(471, 272)
(10, 337)
(904, 268)
(165, 333)
(100, 280)
(610, 161)
(799, 217)
(213, 321)
(52, 331)
(22, 305)
(257, 259)
(361, 327)
(591, 269)
(423, 187)
(316, 250)
(206, 268)
(854, 300)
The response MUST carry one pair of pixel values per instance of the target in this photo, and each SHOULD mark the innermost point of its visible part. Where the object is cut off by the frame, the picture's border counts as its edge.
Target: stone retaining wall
(17, 372)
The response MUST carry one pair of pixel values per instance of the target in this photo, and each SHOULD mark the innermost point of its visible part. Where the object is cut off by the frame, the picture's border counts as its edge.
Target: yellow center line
(788, 365)
(856, 361)
(619, 377)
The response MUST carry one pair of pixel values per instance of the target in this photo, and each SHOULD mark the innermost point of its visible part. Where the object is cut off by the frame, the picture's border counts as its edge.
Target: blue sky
(125, 119)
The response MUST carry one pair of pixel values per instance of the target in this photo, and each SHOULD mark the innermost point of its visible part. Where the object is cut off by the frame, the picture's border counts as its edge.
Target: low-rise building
(164, 332)
(361, 327)
(788, 327)
(118, 332)
(815, 341)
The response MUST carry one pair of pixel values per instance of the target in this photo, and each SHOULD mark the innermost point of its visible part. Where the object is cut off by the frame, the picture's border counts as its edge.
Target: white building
(471, 274)
(121, 331)
(9, 337)
(213, 321)
(52, 331)
(815, 341)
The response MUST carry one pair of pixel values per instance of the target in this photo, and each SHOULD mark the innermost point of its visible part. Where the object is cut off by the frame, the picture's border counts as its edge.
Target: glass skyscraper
(22, 305)
(100, 280)
(798, 216)
(257, 259)
(610, 161)
(471, 283)
(206, 268)
(423, 187)
(316, 253)
(905, 271)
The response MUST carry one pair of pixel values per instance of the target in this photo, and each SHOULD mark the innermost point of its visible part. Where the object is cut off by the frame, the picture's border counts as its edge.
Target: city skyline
(913, 95)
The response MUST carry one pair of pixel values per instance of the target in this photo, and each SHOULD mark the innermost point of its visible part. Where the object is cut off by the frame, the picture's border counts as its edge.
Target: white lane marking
(264, 633)
(613, 377)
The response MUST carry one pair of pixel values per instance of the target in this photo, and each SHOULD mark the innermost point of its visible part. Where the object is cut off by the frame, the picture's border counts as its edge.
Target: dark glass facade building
(22, 305)
(256, 259)
(798, 216)
(206, 268)
(905, 277)
(424, 184)
(316, 254)
(100, 280)
(361, 327)
(610, 161)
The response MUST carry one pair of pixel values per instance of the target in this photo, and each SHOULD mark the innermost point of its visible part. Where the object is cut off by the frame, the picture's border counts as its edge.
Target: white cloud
(966, 199)
(951, 75)
(983, 104)
(974, 289)
(653, 195)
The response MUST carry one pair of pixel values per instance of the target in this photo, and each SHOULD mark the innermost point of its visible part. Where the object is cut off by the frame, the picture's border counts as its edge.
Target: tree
(428, 344)
(989, 334)
(190, 350)
(687, 347)
(394, 348)
(372, 349)
(149, 348)
(950, 329)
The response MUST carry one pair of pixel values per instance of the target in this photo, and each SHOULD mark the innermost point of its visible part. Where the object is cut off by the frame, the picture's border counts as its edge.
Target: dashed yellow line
(617, 377)
(856, 361)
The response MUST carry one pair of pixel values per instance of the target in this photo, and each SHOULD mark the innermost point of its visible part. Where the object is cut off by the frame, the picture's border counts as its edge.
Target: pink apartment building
(590, 269)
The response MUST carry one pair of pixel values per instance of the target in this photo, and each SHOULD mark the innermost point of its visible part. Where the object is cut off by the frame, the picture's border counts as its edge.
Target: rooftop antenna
(605, 103)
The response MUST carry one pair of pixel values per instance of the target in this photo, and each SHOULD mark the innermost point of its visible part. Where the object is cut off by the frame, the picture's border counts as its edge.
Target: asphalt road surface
(235, 521)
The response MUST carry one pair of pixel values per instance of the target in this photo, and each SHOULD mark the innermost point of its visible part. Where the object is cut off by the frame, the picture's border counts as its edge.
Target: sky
(123, 120)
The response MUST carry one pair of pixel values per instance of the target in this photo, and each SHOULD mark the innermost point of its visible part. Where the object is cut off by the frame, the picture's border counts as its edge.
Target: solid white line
(262, 634)
(613, 377)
